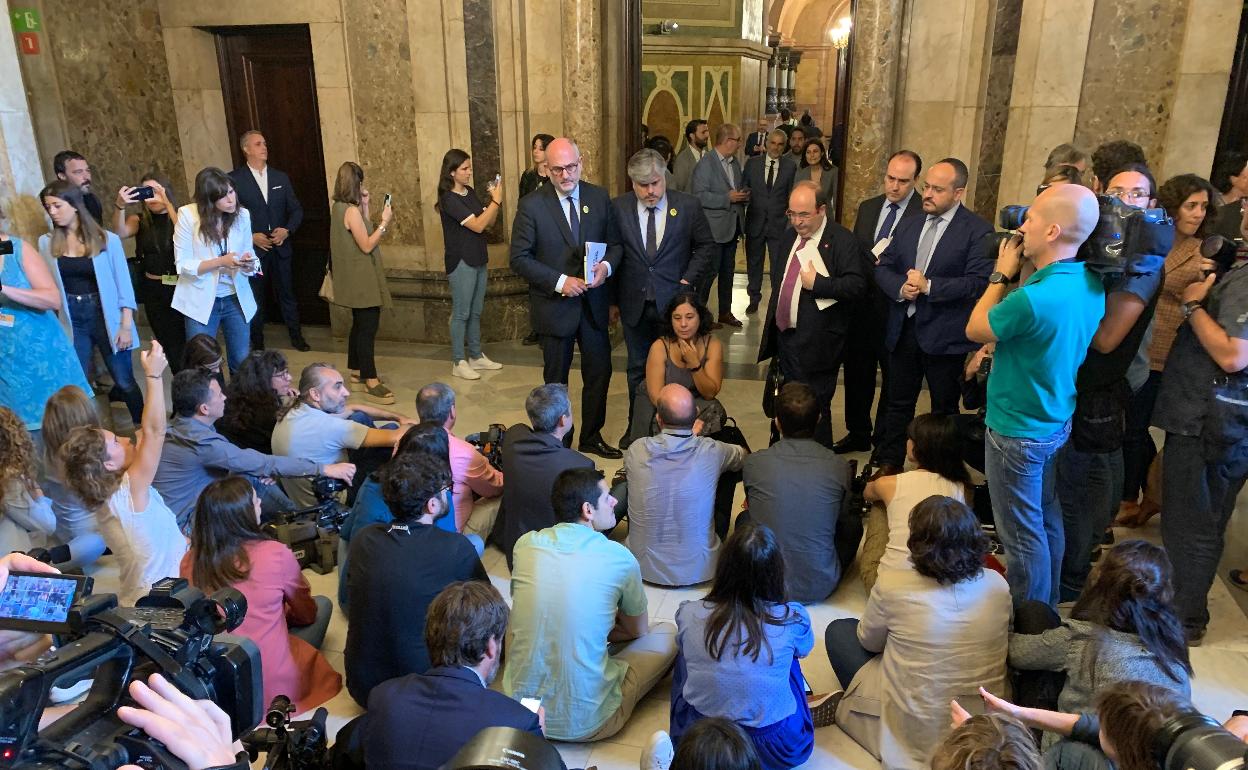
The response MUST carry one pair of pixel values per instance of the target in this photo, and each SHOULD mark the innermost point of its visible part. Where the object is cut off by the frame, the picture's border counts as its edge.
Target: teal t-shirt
(1043, 331)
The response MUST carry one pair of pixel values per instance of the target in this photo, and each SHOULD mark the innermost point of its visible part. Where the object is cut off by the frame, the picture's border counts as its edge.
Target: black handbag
(731, 434)
(771, 388)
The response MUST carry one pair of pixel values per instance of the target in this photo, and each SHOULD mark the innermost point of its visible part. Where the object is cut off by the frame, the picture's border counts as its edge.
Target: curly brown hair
(988, 742)
(946, 542)
(1177, 189)
(17, 453)
(83, 457)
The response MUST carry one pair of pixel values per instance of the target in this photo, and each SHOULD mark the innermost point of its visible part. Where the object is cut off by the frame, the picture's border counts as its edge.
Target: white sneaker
(481, 362)
(462, 369)
(658, 753)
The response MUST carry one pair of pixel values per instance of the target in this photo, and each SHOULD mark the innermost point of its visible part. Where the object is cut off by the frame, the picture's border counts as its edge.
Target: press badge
(169, 280)
(7, 320)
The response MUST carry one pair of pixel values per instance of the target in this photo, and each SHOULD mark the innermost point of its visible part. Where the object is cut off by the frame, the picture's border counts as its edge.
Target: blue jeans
(1088, 486)
(87, 319)
(467, 298)
(1022, 481)
(227, 314)
(845, 652)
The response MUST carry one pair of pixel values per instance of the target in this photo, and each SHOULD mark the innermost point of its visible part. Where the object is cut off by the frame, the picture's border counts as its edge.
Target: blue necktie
(574, 222)
(886, 229)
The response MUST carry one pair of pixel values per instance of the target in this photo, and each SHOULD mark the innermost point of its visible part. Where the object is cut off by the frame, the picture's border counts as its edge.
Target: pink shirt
(471, 472)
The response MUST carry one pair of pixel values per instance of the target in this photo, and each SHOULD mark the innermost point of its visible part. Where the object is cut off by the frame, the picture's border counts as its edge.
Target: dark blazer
(869, 214)
(533, 461)
(764, 217)
(419, 721)
(756, 143)
(542, 249)
(282, 210)
(685, 252)
(959, 271)
(819, 334)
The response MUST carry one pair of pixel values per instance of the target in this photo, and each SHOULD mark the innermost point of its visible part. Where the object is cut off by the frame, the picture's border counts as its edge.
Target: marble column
(20, 176)
(773, 104)
(583, 82)
(876, 47)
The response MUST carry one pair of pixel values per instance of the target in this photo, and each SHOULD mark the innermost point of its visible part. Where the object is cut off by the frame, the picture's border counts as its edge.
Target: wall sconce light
(839, 35)
(668, 26)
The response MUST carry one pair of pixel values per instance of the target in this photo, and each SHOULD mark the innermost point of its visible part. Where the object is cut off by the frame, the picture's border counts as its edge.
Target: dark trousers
(1087, 486)
(168, 325)
(1197, 499)
(360, 357)
(864, 352)
(755, 248)
(1138, 450)
(1036, 689)
(845, 652)
(723, 265)
(595, 347)
(638, 338)
(822, 383)
(86, 317)
(277, 274)
(367, 459)
(908, 367)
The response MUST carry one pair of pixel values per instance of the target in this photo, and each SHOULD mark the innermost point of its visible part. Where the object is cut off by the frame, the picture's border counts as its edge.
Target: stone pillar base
(421, 311)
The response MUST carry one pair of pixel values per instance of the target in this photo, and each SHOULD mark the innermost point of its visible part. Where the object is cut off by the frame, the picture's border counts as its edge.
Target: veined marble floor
(1221, 664)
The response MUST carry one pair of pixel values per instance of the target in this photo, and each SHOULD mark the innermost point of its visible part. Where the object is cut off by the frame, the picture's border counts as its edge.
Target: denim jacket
(113, 278)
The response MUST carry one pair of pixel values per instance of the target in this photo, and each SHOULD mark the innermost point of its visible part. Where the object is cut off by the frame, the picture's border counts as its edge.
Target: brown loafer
(823, 707)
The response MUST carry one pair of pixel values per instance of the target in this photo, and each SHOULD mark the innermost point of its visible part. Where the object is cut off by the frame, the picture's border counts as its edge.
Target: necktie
(785, 303)
(771, 171)
(924, 255)
(652, 237)
(574, 222)
(886, 229)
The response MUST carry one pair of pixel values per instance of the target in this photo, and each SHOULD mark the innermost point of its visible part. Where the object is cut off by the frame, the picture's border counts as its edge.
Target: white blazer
(195, 293)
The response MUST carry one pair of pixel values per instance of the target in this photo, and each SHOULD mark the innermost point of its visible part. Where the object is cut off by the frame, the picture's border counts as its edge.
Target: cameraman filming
(1201, 407)
(1042, 332)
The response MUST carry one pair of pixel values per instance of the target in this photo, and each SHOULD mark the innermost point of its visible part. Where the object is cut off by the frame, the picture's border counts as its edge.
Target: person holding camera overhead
(212, 251)
(284, 619)
(359, 276)
(464, 222)
(97, 297)
(152, 228)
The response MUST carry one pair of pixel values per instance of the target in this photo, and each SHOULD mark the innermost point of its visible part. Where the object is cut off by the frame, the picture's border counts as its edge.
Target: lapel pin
(584, 209)
(672, 212)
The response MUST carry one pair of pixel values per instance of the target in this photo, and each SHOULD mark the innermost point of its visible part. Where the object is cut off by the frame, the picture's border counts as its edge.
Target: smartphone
(142, 193)
(386, 202)
(40, 602)
(806, 686)
(6, 247)
(532, 704)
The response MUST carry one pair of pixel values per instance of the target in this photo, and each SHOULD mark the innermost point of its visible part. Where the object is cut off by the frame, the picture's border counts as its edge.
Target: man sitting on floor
(574, 593)
(471, 473)
(672, 479)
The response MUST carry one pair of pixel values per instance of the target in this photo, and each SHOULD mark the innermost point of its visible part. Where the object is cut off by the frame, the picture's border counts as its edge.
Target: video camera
(175, 631)
(489, 443)
(1193, 741)
(290, 745)
(1125, 240)
(312, 533)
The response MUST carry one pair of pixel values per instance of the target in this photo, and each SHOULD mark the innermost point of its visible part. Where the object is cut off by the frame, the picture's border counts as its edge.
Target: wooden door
(269, 85)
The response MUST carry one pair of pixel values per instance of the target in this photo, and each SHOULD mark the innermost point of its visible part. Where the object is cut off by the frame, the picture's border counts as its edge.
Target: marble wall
(483, 115)
(1007, 18)
(19, 156)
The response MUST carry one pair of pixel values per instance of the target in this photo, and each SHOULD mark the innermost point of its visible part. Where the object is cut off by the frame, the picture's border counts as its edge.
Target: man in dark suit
(717, 183)
(877, 218)
(554, 228)
(532, 459)
(666, 244)
(276, 214)
(756, 144)
(825, 273)
(769, 178)
(933, 271)
(419, 721)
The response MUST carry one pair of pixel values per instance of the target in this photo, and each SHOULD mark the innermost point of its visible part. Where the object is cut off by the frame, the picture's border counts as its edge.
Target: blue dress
(36, 358)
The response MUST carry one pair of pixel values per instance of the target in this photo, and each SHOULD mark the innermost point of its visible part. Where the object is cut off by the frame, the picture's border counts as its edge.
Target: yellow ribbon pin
(584, 209)
(672, 212)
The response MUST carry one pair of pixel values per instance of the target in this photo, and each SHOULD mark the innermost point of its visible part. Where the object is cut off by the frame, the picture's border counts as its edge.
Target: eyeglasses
(282, 375)
(799, 216)
(561, 170)
(1128, 195)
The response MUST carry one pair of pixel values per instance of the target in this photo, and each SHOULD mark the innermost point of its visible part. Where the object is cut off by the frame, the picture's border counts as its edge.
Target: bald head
(1071, 207)
(675, 407)
(563, 160)
(807, 208)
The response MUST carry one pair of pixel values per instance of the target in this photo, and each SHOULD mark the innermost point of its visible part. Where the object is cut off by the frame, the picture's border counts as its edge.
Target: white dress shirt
(809, 251)
(262, 179)
(901, 212)
(660, 220)
(575, 196)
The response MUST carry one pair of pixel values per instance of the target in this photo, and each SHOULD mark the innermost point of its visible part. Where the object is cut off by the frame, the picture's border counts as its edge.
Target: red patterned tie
(788, 287)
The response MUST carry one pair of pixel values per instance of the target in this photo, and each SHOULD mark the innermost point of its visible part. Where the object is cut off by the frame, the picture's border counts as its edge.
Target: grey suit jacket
(712, 187)
(682, 169)
(827, 182)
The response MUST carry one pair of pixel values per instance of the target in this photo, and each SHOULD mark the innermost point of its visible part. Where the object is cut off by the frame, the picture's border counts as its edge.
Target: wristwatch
(998, 277)
(1191, 307)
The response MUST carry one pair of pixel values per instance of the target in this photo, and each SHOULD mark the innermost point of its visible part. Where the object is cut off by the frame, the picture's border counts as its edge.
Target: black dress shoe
(300, 344)
(852, 443)
(600, 448)
(531, 339)
(751, 308)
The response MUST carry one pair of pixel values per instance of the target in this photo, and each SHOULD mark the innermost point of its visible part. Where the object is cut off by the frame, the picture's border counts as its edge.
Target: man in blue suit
(419, 721)
(933, 271)
(666, 245)
(554, 227)
(276, 214)
(718, 184)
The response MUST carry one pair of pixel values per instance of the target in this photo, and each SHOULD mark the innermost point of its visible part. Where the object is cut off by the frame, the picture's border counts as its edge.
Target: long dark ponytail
(1131, 591)
(749, 582)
